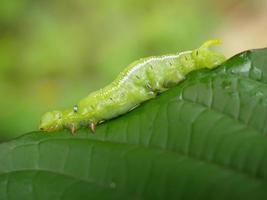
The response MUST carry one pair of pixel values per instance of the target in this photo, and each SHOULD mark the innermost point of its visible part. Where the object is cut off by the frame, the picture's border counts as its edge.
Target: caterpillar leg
(92, 126)
(135, 106)
(73, 129)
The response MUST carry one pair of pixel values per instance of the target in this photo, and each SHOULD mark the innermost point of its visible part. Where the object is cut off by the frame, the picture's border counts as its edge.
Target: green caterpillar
(140, 81)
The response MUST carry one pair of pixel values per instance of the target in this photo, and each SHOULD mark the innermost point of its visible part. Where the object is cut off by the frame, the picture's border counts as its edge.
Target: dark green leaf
(203, 139)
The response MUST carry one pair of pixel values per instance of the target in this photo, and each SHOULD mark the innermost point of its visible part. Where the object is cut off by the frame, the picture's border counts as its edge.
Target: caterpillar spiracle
(140, 81)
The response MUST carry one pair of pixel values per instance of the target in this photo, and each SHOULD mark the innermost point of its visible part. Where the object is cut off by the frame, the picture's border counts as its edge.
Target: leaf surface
(203, 139)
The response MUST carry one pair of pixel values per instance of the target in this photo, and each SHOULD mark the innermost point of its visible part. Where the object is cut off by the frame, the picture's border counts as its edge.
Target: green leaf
(203, 139)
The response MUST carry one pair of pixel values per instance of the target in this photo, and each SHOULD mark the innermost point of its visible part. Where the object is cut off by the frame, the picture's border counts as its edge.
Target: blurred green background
(52, 52)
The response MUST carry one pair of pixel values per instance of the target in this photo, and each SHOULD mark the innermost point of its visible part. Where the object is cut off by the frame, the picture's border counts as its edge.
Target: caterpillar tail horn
(209, 43)
(204, 57)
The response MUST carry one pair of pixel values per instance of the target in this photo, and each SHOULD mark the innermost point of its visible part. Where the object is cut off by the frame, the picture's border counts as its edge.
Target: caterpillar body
(140, 81)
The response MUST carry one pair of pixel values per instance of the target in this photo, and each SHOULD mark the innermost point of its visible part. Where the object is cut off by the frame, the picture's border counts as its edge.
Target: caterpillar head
(51, 121)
